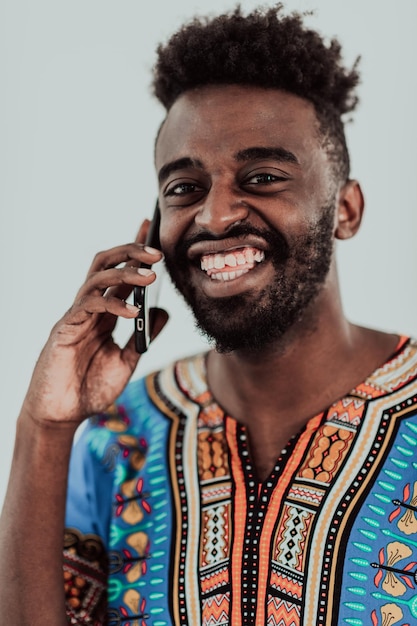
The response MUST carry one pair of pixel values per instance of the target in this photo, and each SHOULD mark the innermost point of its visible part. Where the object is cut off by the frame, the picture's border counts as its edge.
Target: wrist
(32, 419)
(46, 437)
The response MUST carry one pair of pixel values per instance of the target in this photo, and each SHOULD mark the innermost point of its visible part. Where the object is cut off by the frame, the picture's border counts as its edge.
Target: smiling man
(269, 481)
(262, 202)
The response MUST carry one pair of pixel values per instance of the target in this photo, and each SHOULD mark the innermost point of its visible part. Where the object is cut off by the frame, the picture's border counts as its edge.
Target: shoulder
(397, 376)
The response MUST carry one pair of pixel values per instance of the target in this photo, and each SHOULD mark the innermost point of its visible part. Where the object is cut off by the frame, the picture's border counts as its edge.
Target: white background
(77, 126)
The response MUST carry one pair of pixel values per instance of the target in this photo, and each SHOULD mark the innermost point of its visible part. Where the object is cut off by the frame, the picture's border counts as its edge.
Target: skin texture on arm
(31, 581)
(80, 372)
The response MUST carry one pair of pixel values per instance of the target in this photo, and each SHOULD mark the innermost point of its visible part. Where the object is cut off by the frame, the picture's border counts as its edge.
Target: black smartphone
(140, 294)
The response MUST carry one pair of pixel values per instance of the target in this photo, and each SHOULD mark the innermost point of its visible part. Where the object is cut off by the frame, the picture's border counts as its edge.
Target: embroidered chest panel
(329, 538)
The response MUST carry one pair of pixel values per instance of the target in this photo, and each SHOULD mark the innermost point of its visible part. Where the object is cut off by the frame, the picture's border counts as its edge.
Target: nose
(220, 209)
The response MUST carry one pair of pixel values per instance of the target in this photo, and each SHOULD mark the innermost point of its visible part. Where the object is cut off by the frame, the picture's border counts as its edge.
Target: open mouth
(231, 264)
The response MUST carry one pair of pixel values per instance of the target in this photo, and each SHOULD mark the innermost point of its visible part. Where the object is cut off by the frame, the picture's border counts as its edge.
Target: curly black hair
(265, 48)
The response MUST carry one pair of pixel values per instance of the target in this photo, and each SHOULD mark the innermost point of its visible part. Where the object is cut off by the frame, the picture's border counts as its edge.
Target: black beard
(249, 322)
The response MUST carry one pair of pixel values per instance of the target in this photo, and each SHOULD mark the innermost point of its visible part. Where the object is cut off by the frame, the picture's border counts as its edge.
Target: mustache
(276, 242)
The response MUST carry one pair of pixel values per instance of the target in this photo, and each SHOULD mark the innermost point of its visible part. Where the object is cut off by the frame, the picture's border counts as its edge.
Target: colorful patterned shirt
(166, 517)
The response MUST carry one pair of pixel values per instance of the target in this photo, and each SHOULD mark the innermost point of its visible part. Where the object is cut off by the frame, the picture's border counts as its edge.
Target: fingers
(101, 293)
(158, 319)
(131, 254)
(112, 276)
(99, 304)
(105, 274)
(100, 282)
(142, 232)
(82, 317)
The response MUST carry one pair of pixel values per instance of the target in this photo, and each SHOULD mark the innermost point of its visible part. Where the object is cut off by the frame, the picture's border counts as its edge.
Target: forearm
(31, 526)
(80, 372)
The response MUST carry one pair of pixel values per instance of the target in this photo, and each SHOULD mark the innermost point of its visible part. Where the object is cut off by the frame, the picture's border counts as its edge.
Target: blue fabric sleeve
(90, 486)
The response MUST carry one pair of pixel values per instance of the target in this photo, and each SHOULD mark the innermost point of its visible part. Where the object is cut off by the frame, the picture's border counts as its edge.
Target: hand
(81, 370)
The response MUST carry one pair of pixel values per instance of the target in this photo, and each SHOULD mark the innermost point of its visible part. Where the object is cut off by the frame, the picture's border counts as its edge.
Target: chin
(254, 320)
(250, 324)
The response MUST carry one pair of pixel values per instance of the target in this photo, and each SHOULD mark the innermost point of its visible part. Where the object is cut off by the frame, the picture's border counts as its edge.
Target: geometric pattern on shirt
(215, 610)
(314, 505)
(282, 612)
(324, 458)
(85, 578)
(215, 493)
(358, 543)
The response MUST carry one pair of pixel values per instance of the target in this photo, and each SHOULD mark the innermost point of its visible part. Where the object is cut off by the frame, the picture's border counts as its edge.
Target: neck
(318, 361)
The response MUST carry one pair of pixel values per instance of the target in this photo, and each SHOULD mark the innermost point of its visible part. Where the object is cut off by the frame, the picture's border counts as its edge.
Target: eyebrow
(178, 164)
(248, 154)
(277, 153)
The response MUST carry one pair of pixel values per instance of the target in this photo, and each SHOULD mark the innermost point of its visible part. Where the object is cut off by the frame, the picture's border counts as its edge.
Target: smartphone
(141, 294)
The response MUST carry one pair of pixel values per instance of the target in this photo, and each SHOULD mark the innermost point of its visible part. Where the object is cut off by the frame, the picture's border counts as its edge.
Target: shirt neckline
(372, 386)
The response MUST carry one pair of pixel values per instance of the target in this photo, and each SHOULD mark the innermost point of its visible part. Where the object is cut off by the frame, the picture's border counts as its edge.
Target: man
(271, 480)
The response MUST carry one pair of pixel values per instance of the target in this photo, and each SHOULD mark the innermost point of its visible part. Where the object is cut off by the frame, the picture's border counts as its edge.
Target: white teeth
(249, 256)
(218, 262)
(238, 258)
(230, 260)
(226, 276)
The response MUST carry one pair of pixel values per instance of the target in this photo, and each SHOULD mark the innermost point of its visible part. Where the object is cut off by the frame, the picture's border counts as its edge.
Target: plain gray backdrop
(77, 127)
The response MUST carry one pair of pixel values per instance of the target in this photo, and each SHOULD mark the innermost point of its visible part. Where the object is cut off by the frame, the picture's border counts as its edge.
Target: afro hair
(268, 49)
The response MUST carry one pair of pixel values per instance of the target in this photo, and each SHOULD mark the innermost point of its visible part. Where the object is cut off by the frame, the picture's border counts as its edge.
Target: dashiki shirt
(166, 517)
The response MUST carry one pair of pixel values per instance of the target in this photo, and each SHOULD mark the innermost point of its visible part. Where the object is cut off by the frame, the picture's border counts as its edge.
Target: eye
(183, 192)
(180, 189)
(264, 178)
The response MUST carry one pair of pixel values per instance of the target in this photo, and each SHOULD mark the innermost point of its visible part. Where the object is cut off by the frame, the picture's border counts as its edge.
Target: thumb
(157, 319)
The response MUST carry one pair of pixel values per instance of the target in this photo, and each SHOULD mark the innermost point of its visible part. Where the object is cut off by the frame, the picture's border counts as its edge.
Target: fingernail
(132, 308)
(143, 271)
(151, 250)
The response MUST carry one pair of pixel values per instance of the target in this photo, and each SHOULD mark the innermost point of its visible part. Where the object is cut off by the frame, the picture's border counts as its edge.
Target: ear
(349, 210)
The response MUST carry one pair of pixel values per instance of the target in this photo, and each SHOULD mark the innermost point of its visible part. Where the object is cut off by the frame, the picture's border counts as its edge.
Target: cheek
(171, 231)
(166, 234)
(318, 176)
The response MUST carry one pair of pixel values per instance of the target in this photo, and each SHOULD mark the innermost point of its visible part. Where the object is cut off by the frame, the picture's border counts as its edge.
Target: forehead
(225, 119)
